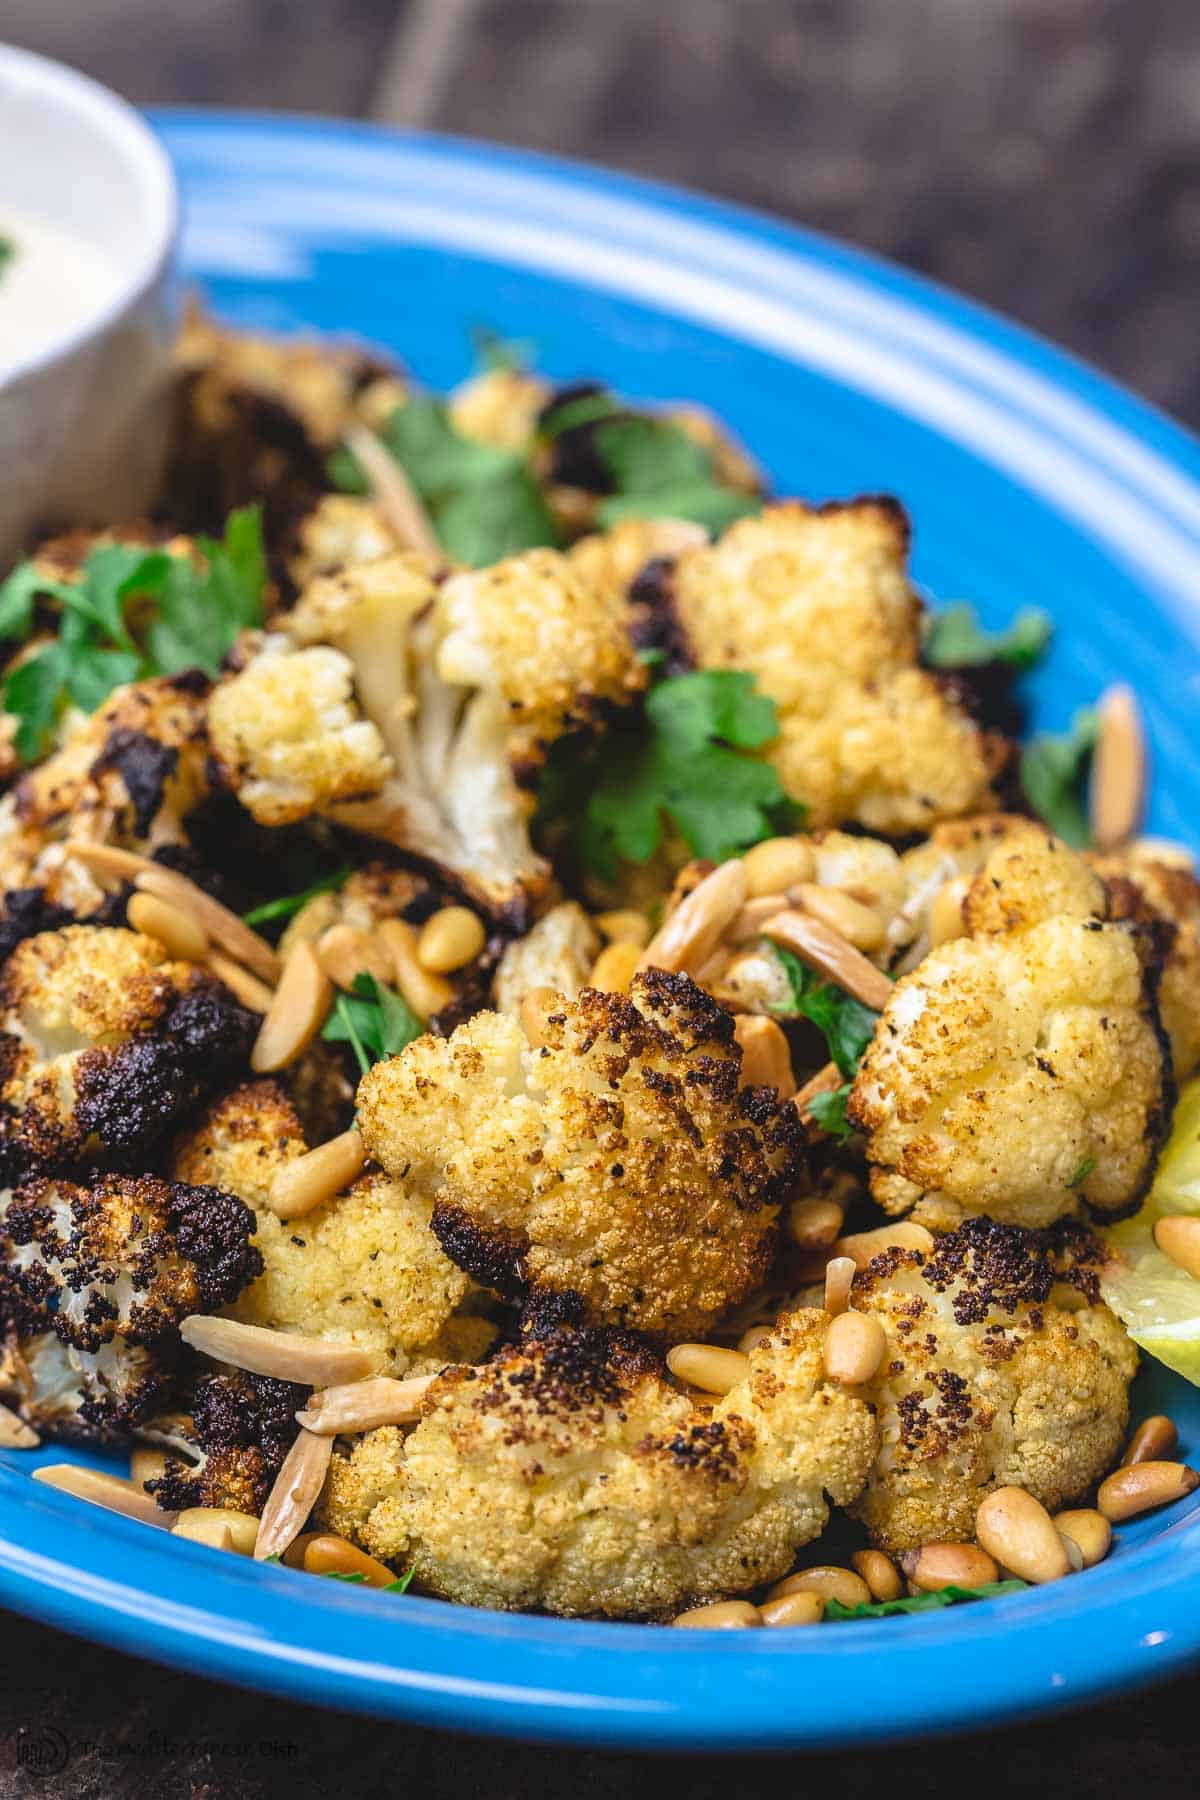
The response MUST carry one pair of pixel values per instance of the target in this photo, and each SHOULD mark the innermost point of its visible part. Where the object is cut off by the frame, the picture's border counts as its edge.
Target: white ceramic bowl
(83, 416)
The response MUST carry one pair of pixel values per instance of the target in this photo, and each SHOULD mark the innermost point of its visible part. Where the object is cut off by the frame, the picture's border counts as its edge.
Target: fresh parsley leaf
(846, 1024)
(828, 1112)
(1082, 1172)
(18, 595)
(681, 760)
(483, 502)
(290, 904)
(401, 1584)
(33, 693)
(659, 472)
(373, 1020)
(584, 409)
(917, 1603)
(955, 639)
(1054, 774)
(201, 611)
(7, 251)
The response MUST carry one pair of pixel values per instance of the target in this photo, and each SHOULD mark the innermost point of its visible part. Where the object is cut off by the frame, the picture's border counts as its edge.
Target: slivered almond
(860, 925)
(246, 988)
(827, 951)
(363, 1405)
(109, 1491)
(106, 859)
(344, 953)
(825, 1081)
(425, 992)
(862, 1246)
(296, 1013)
(766, 1058)
(284, 1354)
(392, 492)
(15, 1434)
(308, 1181)
(699, 922)
(296, 1491)
(749, 922)
(839, 1279)
(1117, 795)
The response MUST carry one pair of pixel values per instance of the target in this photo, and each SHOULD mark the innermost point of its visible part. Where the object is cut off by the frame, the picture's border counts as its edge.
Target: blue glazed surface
(1031, 480)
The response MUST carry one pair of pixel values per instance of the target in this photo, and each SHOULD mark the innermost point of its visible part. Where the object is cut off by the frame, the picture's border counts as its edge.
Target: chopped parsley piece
(683, 760)
(201, 611)
(828, 1112)
(1082, 1172)
(7, 251)
(845, 1023)
(373, 1020)
(1054, 772)
(955, 639)
(483, 502)
(658, 471)
(583, 409)
(918, 1603)
(290, 904)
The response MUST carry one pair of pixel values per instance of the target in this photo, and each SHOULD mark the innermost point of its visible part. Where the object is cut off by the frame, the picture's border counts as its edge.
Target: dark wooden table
(1040, 154)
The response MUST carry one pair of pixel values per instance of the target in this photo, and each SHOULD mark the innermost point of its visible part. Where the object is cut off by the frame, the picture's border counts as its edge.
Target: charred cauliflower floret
(1002, 1369)
(612, 560)
(236, 1435)
(1016, 1074)
(616, 1161)
(567, 1474)
(363, 1268)
(104, 1044)
(817, 605)
(110, 1269)
(1153, 892)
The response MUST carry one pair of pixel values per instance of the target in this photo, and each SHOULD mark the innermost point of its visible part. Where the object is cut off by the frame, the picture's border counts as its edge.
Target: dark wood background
(1039, 154)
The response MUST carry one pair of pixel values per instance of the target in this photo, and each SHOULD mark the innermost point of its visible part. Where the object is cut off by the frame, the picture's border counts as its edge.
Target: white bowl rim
(123, 126)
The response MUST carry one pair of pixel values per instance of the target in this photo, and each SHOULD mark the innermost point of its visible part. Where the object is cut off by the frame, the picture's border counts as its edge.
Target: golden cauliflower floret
(553, 649)
(364, 1268)
(817, 605)
(609, 561)
(1030, 876)
(557, 952)
(289, 735)
(568, 1475)
(616, 1163)
(1154, 892)
(341, 530)
(1001, 1369)
(499, 407)
(1015, 1075)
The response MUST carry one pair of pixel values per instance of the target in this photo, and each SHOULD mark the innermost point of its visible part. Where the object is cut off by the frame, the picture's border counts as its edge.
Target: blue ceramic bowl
(1031, 480)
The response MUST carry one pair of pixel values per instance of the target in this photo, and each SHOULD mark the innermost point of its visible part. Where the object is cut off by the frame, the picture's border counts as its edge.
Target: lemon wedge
(1156, 1301)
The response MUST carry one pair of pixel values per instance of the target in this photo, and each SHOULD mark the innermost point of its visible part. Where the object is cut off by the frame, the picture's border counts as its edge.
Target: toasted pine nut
(308, 1181)
(766, 1058)
(1141, 1486)
(295, 1493)
(623, 926)
(1117, 797)
(297, 1012)
(750, 1340)
(804, 1608)
(310, 1361)
(724, 1615)
(708, 1367)
(293, 1556)
(327, 1554)
(222, 926)
(534, 1007)
(219, 1526)
(880, 1574)
(362, 1405)
(855, 1345)
(688, 938)
(860, 925)
(1154, 1439)
(450, 939)
(777, 864)
(936, 1566)
(1015, 1528)
(426, 993)
(146, 1464)
(109, 1491)
(615, 968)
(839, 1279)
(15, 1434)
(814, 1224)
(174, 929)
(863, 1246)
(1178, 1236)
(827, 1582)
(247, 989)
(946, 920)
(344, 953)
(827, 951)
(1090, 1530)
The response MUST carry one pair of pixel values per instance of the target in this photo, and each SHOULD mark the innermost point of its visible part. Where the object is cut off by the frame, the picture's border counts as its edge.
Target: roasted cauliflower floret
(104, 1044)
(499, 407)
(341, 530)
(1154, 892)
(557, 952)
(364, 1268)
(611, 561)
(1018, 1074)
(818, 606)
(615, 1162)
(110, 1269)
(567, 1474)
(1001, 1369)
(236, 1435)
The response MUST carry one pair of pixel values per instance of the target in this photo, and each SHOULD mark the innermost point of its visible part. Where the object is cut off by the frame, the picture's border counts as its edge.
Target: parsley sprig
(846, 1025)
(1054, 772)
(131, 614)
(658, 471)
(373, 1020)
(955, 639)
(684, 759)
(288, 905)
(918, 1603)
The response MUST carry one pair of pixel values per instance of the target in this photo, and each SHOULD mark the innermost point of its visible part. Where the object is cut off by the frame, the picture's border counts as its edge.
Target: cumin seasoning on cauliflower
(568, 1474)
(615, 1162)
